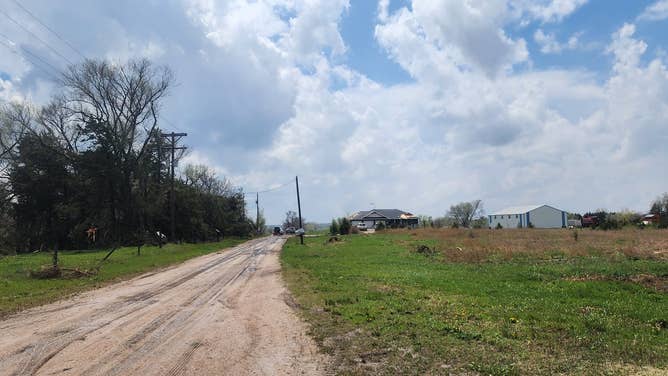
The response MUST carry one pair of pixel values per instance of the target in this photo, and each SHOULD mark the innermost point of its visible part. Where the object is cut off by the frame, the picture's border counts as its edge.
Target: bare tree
(113, 110)
(660, 205)
(464, 213)
(291, 220)
(119, 103)
(15, 119)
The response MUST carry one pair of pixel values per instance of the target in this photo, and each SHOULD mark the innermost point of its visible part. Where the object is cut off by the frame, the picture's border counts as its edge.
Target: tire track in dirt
(174, 323)
(180, 365)
(222, 313)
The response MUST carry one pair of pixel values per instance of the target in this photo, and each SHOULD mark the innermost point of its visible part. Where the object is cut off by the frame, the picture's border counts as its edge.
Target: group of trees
(606, 220)
(94, 156)
(660, 208)
(340, 226)
(467, 214)
(291, 220)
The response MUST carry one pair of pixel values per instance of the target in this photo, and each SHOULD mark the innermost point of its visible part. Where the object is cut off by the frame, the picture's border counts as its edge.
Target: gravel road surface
(226, 313)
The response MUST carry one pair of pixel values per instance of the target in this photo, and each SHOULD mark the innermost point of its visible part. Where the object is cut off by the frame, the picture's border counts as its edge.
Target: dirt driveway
(222, 314)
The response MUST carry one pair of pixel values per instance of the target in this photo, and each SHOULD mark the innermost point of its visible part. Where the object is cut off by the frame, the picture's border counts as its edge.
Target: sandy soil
(226, 313)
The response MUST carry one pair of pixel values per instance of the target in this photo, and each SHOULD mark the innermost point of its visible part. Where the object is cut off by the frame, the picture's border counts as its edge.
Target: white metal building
(540, 216)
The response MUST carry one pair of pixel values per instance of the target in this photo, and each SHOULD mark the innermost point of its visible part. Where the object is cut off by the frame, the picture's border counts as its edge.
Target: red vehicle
(589, 221)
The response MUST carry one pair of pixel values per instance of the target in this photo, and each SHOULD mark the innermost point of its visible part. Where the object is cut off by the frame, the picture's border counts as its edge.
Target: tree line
(470, 214)
(94, 158)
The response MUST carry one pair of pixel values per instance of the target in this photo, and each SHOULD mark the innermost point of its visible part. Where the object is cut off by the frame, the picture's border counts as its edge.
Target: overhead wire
(77, 51)
(36, 37)
(270, 189)
(31, 14)
(52, 31)
(171, 123)
(33, 56)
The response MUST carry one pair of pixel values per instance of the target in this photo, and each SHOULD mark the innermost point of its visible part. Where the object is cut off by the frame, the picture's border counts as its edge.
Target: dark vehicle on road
(277, 231)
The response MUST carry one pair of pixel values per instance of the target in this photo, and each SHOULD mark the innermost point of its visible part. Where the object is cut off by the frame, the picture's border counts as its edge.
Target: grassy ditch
(379, 307)
(18, 290)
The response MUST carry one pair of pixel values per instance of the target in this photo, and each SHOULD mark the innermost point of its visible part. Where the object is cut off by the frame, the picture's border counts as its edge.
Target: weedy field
(489, 302)
(18, 290)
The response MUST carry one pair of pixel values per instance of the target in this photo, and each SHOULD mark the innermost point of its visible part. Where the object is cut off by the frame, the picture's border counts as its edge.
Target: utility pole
(257, 217)
(299, 209)
(173, 139)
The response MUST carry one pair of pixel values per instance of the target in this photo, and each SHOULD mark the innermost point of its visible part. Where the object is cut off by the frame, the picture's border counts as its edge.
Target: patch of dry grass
(481, 245)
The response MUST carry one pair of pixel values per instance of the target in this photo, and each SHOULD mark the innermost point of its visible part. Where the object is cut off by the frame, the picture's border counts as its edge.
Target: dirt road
(222, 314)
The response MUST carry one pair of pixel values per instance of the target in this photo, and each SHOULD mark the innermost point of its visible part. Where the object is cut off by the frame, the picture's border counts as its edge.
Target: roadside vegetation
(19, 290)
(94, 167)
(488, 302)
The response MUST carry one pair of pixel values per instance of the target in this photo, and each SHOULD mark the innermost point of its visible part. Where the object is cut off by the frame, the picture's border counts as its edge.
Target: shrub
(334, 227)
(344, 226)
(498, 226)
(425, 250)
(380, 226)
(354, 230)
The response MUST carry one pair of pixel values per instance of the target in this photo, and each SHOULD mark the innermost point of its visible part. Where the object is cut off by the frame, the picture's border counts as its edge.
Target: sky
(414, 105)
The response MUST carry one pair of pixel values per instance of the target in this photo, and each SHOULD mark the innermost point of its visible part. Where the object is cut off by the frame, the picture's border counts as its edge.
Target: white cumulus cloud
(655, 12)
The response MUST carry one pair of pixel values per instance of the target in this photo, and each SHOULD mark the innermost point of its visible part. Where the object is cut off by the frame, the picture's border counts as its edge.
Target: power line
(51, 30)
(70, 45)
(64, 41)
(171, 123)
(270, 189)
(36, 57)
(31, 54)
(36, 37)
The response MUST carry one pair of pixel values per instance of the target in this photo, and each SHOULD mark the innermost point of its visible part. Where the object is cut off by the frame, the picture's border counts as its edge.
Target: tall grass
(480, 245)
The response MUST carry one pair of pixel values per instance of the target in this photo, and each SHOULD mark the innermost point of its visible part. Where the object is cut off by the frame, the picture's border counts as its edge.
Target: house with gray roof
(391, 218)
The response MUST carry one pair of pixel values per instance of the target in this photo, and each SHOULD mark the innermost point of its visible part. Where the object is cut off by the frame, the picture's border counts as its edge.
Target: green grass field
(19, 291)
(380, 308)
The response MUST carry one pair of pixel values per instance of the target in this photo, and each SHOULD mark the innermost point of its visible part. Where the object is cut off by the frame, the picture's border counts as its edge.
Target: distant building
(651, 218)
(540, 216)
(391, 218)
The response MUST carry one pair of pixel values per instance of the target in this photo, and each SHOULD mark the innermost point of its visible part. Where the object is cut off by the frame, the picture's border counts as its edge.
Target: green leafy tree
(344, 226)
(45, 191)
(334, 227)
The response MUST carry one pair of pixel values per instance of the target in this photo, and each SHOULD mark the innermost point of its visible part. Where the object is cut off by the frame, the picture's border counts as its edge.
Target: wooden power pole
(299, 209)
(257, 215)
(173, 139)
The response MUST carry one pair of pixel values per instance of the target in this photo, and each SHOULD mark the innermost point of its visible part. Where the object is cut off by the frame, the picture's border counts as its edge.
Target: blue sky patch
(364, 54)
